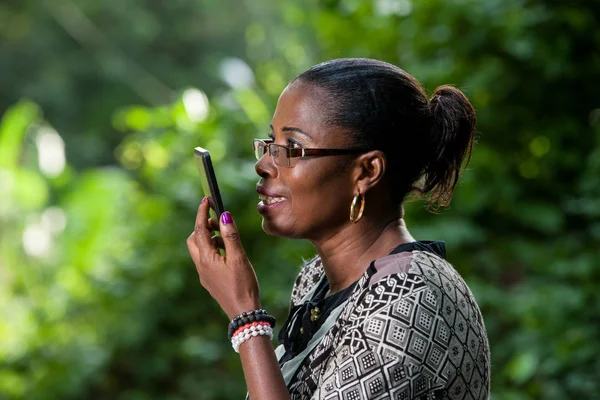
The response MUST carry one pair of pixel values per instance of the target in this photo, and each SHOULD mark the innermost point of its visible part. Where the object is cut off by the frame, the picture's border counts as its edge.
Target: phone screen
(208, 180)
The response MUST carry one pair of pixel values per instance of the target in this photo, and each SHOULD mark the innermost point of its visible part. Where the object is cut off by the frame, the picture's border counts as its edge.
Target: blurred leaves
(99, 298)
(14, 125)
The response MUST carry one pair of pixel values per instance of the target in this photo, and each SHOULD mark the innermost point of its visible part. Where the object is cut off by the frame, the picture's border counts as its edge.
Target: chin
(278, 230)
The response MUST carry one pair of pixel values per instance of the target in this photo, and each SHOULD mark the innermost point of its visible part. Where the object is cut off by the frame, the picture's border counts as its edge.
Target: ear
(369, 170)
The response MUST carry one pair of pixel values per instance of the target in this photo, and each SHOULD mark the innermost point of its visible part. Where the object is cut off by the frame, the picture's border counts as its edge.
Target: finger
(213, 224)
(218, 242)
(193, 247)
(231, 236)
(202, 216)
(201, 230)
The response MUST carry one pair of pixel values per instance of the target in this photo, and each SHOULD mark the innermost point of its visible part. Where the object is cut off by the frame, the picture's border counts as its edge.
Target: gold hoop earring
(354, 219)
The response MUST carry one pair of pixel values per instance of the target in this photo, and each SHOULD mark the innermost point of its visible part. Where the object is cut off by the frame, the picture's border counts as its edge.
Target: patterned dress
(409, 328)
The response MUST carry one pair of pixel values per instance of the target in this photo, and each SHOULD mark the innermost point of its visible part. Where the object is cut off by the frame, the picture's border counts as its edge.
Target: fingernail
(226, 218)
(203, 200)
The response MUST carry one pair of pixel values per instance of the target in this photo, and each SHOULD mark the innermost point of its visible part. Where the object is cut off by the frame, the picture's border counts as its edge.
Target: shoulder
(388, 283)
(416, 282)
(413, 271)
(415, 309)
(454, 299)
(308, 277)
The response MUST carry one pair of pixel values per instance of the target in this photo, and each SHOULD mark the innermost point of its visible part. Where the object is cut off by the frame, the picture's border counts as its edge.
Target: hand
(229, 279)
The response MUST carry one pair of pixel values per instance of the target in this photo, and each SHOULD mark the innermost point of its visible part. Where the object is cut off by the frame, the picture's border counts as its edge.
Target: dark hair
(384, 108)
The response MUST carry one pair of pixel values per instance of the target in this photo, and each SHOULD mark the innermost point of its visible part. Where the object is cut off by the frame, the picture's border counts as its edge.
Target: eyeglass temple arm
(318, 152)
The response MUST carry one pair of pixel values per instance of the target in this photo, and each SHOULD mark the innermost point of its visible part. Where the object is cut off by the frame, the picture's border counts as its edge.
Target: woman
(376, 314)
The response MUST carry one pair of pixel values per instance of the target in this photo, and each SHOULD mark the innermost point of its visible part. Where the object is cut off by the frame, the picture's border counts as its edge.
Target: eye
(292, 144)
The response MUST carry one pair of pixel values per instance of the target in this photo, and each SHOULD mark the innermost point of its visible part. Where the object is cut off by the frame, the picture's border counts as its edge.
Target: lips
(268, 199)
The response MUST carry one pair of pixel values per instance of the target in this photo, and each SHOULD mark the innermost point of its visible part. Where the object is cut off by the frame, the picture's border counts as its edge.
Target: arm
(261, 370)
(231, 281)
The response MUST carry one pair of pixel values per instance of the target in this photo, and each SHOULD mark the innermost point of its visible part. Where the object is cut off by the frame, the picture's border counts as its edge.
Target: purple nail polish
(203, 200)
(226, 218)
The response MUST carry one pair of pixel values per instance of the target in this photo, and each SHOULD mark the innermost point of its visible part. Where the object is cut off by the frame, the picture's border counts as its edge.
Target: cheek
(318, 194)
(317, 201)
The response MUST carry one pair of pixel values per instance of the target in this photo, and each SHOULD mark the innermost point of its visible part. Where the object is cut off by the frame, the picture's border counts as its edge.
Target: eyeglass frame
(302, 152)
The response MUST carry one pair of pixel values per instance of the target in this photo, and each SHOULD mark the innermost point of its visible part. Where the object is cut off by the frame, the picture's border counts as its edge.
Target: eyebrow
(292, 129)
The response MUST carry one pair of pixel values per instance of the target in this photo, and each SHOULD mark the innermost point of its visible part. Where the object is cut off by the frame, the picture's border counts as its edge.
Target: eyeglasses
(288, 157)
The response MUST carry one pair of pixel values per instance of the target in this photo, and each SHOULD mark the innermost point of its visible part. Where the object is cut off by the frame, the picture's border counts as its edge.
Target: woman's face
(314, 196)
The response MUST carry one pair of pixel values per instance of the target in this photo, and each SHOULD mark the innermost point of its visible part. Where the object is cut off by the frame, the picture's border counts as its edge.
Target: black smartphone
(208, 180)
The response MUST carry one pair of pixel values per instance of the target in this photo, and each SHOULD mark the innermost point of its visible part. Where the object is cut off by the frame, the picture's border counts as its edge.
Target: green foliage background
(98, 297)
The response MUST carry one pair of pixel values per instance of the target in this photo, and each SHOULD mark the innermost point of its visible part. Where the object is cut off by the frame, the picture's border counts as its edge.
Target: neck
(346, 254)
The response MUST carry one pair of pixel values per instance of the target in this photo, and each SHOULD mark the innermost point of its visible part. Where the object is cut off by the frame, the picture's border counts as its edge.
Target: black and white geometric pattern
(309, 275)
(411, 329)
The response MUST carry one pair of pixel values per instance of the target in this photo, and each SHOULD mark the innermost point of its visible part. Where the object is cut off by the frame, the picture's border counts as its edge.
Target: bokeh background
(101, 103)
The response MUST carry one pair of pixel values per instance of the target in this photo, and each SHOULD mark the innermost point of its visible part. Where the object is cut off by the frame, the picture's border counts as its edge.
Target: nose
(265, 167)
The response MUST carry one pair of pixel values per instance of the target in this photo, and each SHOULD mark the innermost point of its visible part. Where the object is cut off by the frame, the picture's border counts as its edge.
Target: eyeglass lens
(278, 153)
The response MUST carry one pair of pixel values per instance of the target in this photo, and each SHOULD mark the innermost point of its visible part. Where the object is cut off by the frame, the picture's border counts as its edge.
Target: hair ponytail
(453, 136)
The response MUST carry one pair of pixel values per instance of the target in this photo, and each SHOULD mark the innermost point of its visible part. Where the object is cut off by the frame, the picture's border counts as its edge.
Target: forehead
(304, 107)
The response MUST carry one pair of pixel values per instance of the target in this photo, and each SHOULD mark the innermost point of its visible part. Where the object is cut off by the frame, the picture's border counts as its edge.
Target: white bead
(261, 329)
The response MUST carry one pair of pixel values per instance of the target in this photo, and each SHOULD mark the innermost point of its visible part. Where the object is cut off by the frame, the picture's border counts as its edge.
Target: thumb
(231, 236)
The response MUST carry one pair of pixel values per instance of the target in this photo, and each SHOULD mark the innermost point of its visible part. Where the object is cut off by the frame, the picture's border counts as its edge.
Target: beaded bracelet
(249, 317)
(249, 331)
(242, 328)
(247, 326)
(266, 331)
